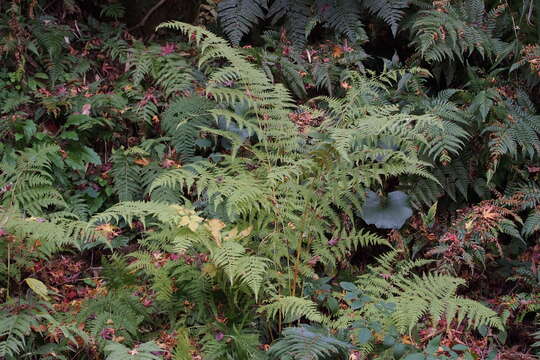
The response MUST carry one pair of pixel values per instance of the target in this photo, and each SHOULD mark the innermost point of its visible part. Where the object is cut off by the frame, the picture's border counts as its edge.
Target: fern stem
(8, 268)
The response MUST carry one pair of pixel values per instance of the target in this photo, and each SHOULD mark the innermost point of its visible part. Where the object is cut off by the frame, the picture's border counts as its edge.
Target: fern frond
(391, 11)
(28, 184)
(292, 308)
(308, 342)
(431, 295)
(238, 17)
(146, 351)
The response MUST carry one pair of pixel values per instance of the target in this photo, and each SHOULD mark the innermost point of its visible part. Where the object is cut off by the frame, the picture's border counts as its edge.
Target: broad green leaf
(349, 286)
(417, 356)
(364, 335)
(386, 213)
(38, 287)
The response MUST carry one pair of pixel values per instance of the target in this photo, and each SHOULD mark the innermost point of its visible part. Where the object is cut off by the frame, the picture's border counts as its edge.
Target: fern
(237, 17)
(182, 122)
(146, 351)
(518, 134)
(120, 311)
(454, 32)
(391, 11)
(45, 237)
(127, 175)
(28, 184)
(308, 342)
(450, 138)
(16, 326)
(250, 270)
(343, 16)
(292, 308)
(431, 295)
(297, 14)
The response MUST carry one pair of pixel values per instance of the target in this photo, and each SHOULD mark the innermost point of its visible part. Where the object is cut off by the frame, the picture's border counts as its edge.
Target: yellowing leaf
(192, 222)
(215, 226)
(142, 162)
(209, 269)
(38, 287)
(406, 339)
(231, 234)
(338, 51)
(245, 232)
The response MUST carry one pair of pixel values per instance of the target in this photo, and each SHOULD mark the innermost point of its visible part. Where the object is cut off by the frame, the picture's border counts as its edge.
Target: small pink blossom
(333, 241)
(61, 90)
(86, 109)
(107, 333)
(167, 49)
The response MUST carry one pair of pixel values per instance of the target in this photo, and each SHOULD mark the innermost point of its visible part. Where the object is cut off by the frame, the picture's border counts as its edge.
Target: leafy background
(269, 179)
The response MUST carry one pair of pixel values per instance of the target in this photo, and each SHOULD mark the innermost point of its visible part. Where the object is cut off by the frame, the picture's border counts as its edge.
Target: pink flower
(325, 7)
(347, 48)
(61, 90)
(86, 109)
(333, 241)
(219, 336)
(167, 49)
(107, 333)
